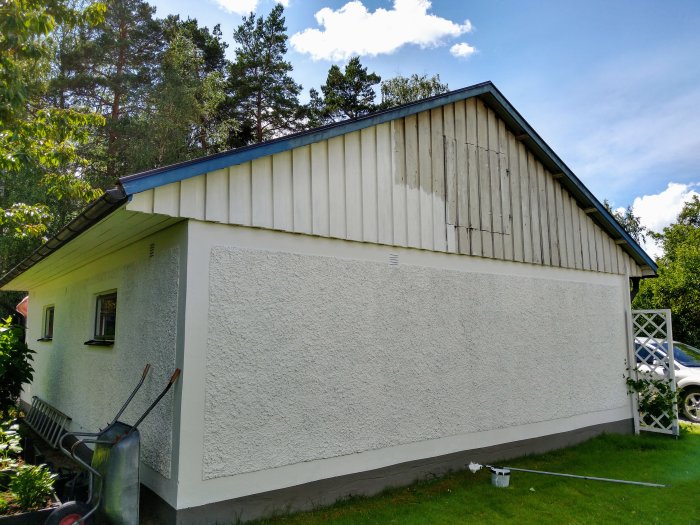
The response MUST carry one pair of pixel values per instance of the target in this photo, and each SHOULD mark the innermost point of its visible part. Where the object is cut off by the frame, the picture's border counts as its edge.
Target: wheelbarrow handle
(72, 449)
(174, 377)
(79, 434)
(71, 453)
(171, 382)
(146, 369)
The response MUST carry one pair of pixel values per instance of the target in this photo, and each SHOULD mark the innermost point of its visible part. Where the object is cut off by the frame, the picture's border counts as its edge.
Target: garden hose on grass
(501, 471)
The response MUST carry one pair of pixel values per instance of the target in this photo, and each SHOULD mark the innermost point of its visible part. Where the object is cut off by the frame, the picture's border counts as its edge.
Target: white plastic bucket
(500, 477)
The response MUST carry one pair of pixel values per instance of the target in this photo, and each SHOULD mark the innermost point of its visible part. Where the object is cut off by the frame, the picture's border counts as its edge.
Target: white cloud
(462, 50)
(659, 210)
(243, 7)
(353, 30)
(240, 7)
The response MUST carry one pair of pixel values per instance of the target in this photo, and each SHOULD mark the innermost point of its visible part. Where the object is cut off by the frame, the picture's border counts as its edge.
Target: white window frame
(98, 329)
(45, 335)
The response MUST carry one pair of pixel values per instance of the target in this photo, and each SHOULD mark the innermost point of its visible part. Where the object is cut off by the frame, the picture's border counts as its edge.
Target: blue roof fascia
(575, 181)
(184, 170)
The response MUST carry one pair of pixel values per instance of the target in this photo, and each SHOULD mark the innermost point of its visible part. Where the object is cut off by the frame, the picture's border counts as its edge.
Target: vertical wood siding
(453, 179)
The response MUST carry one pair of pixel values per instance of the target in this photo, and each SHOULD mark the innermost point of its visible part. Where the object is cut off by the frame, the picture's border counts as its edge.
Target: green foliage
(349, 93)
(181, 120)
(22, 220)
(41, 182)
(678, 283)
(629, 221)
(109, 69)
(8, 302)
(196, 60)
(24, 29)
(212, 48)
(10, 445)
(402, 90)
(40, 177)
(314, 113)
(690, 214)
(656, 397)
(159, 85)
(15, 366)
(262, 96)
(32, 486)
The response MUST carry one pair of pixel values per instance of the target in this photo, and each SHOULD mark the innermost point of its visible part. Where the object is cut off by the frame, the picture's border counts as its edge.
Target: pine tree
(263, 97)
(180, 120)
(349, 93)
(204, 65)
(629, 221)
(210, 44)
(315, 113)
(402, 90)
(111, 69)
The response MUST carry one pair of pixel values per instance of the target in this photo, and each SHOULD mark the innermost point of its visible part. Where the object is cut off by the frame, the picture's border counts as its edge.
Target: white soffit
(111, 234)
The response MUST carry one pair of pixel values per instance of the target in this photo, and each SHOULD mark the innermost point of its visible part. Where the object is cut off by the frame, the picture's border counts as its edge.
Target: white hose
(475, 467)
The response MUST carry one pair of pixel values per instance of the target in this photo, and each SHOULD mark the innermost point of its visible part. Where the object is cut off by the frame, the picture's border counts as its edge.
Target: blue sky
(612, 85)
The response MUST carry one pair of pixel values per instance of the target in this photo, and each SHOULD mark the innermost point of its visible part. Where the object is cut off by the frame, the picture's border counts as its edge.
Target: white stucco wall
(314, 357)
(310, 358)
(90, 383)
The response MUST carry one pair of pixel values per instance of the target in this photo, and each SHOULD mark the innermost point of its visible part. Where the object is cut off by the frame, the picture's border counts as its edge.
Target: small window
(106, 317)
(105, 320)
(47, 332)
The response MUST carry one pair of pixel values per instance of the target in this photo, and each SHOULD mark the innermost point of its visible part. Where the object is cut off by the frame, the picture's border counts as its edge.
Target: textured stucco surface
(90, 383)
(312, 357)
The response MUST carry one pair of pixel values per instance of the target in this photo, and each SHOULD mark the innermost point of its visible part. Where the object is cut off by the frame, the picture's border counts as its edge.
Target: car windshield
(649, 352)
(686, 355)
(652, 351)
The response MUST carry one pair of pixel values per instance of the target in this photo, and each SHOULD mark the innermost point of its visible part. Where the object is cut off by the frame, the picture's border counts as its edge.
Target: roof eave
(100, 208)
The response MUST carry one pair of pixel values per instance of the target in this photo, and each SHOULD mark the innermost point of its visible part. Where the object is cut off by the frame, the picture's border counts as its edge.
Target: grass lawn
(469, 498)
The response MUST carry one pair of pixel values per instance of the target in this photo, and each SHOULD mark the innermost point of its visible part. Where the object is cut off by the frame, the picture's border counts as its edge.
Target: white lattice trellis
(653, 353)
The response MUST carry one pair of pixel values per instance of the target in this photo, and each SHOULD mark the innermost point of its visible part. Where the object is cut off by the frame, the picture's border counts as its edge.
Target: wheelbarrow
(114, 486)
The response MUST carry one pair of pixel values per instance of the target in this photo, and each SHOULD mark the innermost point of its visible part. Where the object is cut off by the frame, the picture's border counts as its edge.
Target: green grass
(463, 497)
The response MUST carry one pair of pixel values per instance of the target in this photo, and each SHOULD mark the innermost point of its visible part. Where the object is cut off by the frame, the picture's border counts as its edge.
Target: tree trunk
(258, 119)
(116, 101)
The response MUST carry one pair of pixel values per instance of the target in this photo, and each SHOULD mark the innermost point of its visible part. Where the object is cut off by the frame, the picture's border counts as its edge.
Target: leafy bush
(657, 399)
(32, 486)
(10, 447)
(15, 366)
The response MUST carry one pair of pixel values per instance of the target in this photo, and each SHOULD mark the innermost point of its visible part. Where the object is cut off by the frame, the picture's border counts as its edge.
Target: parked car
(687, 368)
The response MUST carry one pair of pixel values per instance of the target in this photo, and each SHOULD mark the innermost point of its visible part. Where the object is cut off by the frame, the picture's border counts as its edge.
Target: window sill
(44, 339)
(96, 342)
